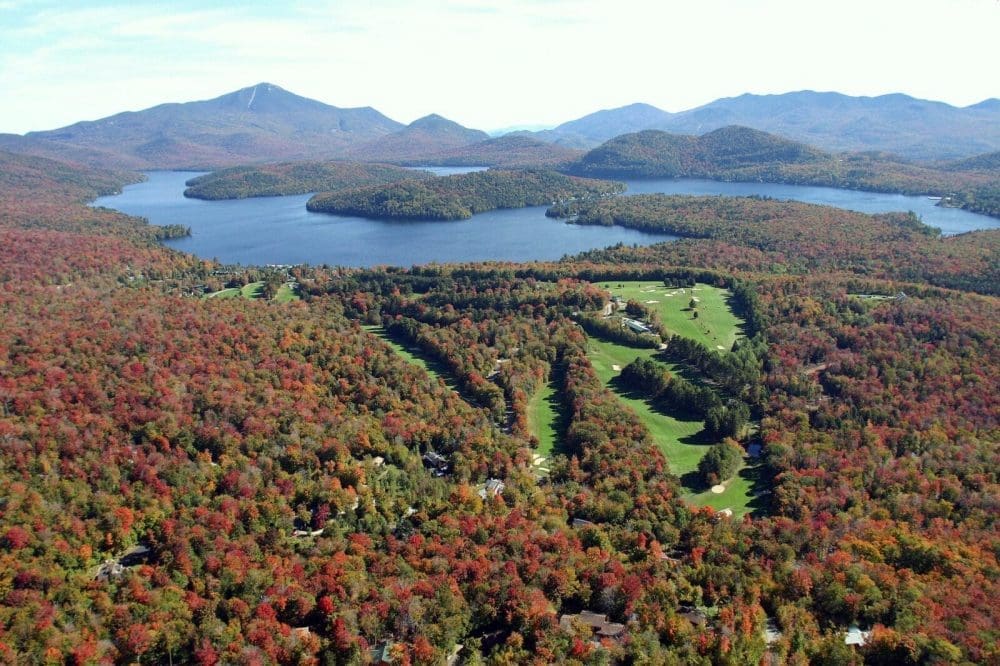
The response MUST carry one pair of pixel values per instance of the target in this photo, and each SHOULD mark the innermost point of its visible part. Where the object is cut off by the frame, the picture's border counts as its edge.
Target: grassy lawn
(675, 437)
(286, 293)
(716, 325)
(224, 293)
(737, 496)
(433, 368)
(253, 290)
(543, 418)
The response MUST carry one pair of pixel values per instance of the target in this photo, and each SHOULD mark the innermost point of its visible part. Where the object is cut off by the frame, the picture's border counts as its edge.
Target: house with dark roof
(598, 624)
(437, 463)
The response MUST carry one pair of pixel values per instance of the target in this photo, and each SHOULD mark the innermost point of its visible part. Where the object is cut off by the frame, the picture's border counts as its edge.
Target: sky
(487, 65)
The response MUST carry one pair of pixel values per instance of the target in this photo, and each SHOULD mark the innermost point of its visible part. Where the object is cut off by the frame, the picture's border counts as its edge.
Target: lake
(279, 230)
(949, 220)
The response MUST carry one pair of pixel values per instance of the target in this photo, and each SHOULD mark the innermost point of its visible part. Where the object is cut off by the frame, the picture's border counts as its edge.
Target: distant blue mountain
(260, 123)
(896, 123)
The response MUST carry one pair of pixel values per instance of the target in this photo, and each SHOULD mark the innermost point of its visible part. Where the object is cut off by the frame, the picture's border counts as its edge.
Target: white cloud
(487, 64)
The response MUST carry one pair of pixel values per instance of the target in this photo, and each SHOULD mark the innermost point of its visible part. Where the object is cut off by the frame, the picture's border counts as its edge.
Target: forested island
(461, 196)
(294, 178)
(773, 441)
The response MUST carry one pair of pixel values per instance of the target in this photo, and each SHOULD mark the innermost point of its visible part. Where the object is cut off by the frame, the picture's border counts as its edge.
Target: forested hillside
(800, 238)
(744, 155)
(654, 154)
(461, 196)
(509, 152)
(244, 480)
(294, 178)
(984, 162)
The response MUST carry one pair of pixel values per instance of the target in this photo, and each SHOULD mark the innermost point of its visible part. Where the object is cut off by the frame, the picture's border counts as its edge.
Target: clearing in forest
(433, 367)
(231, 292)
(287, 293)
(253, 290)
(543, 418)
(716, 325)
(677, 438)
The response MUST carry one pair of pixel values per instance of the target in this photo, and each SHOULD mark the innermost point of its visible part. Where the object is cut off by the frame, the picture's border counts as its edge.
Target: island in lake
(461, 196)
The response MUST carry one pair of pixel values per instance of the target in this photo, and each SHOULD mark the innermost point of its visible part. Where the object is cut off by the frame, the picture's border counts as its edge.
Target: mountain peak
(603, 125)
(429, 135)
(640, 106)
(433, 121)
(266, 98)
(441, 127)
(262, 122)
(991, 104)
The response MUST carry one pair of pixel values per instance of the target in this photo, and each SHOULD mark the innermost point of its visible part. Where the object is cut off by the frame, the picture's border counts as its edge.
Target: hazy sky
(485, 64)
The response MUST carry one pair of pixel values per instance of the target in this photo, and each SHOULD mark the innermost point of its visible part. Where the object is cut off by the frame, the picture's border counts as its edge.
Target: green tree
(721, 462)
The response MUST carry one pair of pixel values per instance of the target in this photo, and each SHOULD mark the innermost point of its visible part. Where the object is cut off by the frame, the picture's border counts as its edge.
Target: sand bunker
(717, 489)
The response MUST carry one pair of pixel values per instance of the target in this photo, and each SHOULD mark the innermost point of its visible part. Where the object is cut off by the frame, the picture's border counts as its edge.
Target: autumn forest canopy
(771, 441)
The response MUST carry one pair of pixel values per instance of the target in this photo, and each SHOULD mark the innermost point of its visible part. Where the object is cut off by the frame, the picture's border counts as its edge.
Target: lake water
(949, 220)
(279, 230)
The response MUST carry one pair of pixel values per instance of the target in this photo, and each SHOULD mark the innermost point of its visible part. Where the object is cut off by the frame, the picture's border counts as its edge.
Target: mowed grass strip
(232, 292)
(678, 439)
(737, 496)
(253, 290)
(673, 436)
(411, 354)
(543, 418)
(715, 326)
(286, 294)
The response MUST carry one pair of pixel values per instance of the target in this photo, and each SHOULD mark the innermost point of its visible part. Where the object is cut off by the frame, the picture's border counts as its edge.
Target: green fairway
(286, 293)
(224, 293)
(543, 418)
(678, 439)
(253, 290)
(433, 368)
(737, 495)
(715, 326)
(668, 432)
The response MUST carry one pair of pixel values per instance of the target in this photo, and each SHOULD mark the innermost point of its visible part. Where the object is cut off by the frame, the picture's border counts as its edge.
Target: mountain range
(265, 123)
(899, 124)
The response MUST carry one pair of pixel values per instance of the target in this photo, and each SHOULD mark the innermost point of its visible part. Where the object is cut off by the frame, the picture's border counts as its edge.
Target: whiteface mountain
(261, 123)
